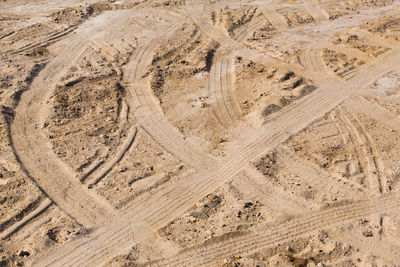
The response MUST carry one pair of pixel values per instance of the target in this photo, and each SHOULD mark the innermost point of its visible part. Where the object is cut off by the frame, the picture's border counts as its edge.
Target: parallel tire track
(32, 215)
(164, 204)
(102, 172)
(147, 110)
(313, 8)
(316, 177)
(39, 161)
(277, 20)
(56, 179)
(363, 153)
(359, 104)
(249, 28)
(312, 61)
(221, 83)
(252, 242)
(53, 38)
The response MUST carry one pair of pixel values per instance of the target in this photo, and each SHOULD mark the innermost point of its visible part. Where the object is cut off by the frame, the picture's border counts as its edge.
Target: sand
(199, 133)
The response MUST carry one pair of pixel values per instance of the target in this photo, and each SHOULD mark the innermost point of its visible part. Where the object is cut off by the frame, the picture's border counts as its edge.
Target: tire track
(313, 8)
(251, 242)
(364, 152)
(312, 61)
(32, 215)
(156, 209)
(312, 175)
(277, 20)
(55, 37)
(221, 84)
(147, 110)
(197, 12)
(379, 168)
(55, 178)
(358, 104)
(254, 185)
(353, 167)
(126, 145)
(150, 114)
(249, 28)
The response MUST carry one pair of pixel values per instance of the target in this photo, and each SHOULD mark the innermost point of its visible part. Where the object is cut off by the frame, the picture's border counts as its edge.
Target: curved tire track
(164, 204)
(55, 178)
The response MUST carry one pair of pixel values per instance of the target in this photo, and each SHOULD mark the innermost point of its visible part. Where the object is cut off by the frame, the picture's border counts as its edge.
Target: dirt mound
(339, 62)
(265, 90)
(73, 124)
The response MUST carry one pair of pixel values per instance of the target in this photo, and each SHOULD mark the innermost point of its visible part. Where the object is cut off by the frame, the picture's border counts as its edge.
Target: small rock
(24, 253)
(248, 204)
(199, 205)
(367, 233)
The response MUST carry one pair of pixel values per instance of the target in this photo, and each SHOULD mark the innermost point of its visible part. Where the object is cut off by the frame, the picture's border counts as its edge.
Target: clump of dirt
(179, 62)
(232, 19)
(341, 8)
(354, 41)
(213, 218)
(76, 15)
(317, 250)
(388, 27)
(339, 62)
(168, 3)
(84, 118)
(270, 166)
(261, 33)
(267, 165)
(297, 17)
(271, 88)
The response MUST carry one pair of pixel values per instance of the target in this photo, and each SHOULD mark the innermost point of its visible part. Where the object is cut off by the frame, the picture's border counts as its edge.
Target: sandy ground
(199, 133)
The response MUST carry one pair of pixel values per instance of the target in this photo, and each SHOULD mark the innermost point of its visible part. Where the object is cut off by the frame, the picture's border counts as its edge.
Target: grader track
(89, 130)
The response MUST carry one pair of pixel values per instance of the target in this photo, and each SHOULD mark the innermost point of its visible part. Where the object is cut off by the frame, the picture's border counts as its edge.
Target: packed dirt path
(206, 133)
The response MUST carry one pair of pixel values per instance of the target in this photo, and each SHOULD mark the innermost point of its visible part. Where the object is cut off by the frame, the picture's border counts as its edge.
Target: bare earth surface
(199, 133)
